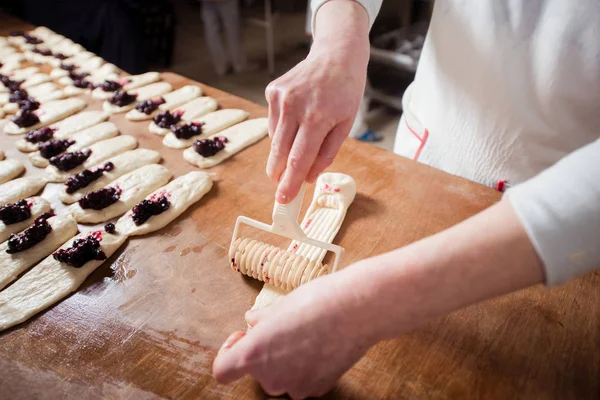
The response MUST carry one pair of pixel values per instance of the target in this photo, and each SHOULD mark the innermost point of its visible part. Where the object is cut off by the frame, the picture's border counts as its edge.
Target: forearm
(483, 257)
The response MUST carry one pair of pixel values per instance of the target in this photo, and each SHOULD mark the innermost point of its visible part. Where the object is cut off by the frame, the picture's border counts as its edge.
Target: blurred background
(238, 46)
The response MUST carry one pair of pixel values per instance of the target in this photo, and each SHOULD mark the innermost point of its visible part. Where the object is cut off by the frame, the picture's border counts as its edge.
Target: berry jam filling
(68, 161)
(15, 212)
(122, 98)
(60, 56)
(166, 120)
(100, 199)
(110, 228)
(81, 251)
(147, 208)
(40, 135)
(209, 147)
(25, 119)
(149, 106)
(83, 84)
(68, 67)
(53, 148)
(29, 104)
(30, 236)
(85, 177)
(110, 86)
(44, 52)
(18, 95)
(78, 76)
(16, 33)
(32, 39)
(186, 131)
(9, 83)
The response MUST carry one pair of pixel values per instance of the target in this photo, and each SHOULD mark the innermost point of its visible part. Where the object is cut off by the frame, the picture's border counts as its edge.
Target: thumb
(225, 366)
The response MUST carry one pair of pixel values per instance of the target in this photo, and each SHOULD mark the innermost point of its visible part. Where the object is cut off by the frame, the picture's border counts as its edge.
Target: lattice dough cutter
(285, 223)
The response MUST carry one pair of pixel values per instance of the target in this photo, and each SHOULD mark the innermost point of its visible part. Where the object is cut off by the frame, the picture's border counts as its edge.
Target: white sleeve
(372, 7)
(560, 210)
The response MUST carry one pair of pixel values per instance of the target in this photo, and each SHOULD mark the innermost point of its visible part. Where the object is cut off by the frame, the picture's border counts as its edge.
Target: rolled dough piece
(50, 281)
(42, 93)
(12, 265)
(75, 59)
(122, 164)
(35, 80)
(181, 193)
(89, 65)
(212, 123)
(107, 71)
(333, 195)
(37, 206)
(48, 113)
(238, 138)
(128, 83)
(10, 169)
(143, 93)
(189, 111)
(6, 51)
(22, 74)
(172, 100)
(134, 187)
(101, 151)
(20, 188)
(82, 140)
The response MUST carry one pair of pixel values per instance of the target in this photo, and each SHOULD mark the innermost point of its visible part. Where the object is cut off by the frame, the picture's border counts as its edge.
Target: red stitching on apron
(421, 139)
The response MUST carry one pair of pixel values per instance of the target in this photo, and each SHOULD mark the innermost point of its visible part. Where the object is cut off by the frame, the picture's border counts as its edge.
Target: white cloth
(504, 90)
(372, 7)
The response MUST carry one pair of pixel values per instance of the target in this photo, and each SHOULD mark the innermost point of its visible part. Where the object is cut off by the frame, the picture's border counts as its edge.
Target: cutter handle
(285, 216)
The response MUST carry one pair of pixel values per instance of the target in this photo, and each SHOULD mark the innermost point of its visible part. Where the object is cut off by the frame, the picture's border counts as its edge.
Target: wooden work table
(149, 321)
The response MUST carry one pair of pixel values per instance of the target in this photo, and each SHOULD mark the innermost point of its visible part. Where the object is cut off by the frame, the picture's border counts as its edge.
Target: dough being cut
(211, 124)
(238, 138)
(20, 188)
(11, 265)
(333, 195)
(37, 206)
(10, 169)
(48, 113)
(181, 194)
(189, 111)
(82, 140)
(100, 151)
(133, 187)
(122, 164)
(143, 93)
(50, 281)
(172, 100)
(129, 83)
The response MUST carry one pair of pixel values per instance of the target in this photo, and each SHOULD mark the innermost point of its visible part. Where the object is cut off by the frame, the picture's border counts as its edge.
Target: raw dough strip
(67, 127)
(50, 281)
(35, 80)
(89, 65)
(37, 206)
(11, 265)
(77, 58)
(143, 93)
(82, 140)
(129, 83)
(189, 111)
(212, 123)
(10, 169)
(20, 188)
(333, 195)
(43, 97)
(172, 100)
(106, 72)
(134, 187)
(181, 193)
(48, 113)
(101, 151)
(122, 164)
(238, 138)
(36, 91)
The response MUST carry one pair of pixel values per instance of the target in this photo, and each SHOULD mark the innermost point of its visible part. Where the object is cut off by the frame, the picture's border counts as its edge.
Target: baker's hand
(313, 106)
(300, 345)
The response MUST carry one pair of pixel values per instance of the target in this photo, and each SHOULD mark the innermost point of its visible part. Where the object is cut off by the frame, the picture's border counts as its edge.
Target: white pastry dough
(10, 169)
(181, 193)
(42, 93)
(133, 187)
(37, 206)
(129, 83)
(48, 113)
(20, 188)
(89, 65)
(172, 100)
(189, 111)
(238, 138)
(101, 151)
(12, 265)
(122, 164)
(143, 93)
(212, 123)
(36, 79)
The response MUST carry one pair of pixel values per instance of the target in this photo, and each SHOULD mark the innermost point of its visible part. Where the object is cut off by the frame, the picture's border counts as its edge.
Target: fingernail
(282, 198)
(232, 339)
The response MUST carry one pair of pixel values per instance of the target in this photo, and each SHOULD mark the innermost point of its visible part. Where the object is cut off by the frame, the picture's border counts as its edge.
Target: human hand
(313, 106)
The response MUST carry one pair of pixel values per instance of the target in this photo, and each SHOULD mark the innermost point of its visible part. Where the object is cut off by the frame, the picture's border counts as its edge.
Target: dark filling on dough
(53, 148)
(68, 161)
(30, 236)
(18, 95)
(110, 228)
(100, 199)
(32, 39)
(209, 147)
(81, 251)
(44, 52)
(85, 177)
(110, 86)
(10, 84)
(187, 131)
(29, 104)
(60, 56)
(83, 84)
(122, 98)
(25, 119)
(69, 67)
(13, 213)
(40, 135)
(78, 76)
(147, 208)
(149, 106)
(166, 120)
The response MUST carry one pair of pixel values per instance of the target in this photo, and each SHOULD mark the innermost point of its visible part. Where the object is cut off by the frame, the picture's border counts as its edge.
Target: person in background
(504, 90)
(225, 14)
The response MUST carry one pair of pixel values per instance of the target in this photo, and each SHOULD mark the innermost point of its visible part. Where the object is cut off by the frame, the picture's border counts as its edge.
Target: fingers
(329, 149)
(281, 146)
(271, 96)
(254, 316)
(226, 367)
